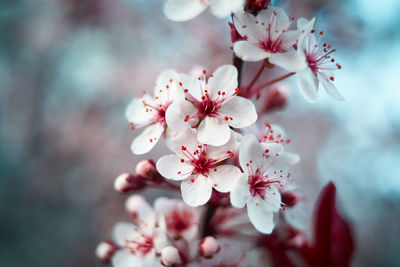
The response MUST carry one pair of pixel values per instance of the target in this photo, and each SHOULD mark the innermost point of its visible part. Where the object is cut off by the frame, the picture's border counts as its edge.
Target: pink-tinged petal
(186, 138)
(330, 88)
(191, 84)
(240, 193)
(147, 139)
(245, 24)
(250, 151)
(225, 177)
(196, 191)
(308, 84)
(137, 113)
(160, 239)
(166, 88)
(221, 151)
(304, 28)
(249, 52)
(224, 80)
(272, 149)
(176, 113)
(272, 201)
(292, 158)
(290, 61)
(182, 10)
(222, 8)
(123, 231)
(280, 20)
(143, 211)
(282, 161)
(123, 258)
(262, 220)
(171, 167)
(289, 39)
(213, 131)
(241, 110)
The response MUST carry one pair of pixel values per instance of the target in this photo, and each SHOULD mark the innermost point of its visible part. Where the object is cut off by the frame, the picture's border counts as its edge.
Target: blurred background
(68, 68)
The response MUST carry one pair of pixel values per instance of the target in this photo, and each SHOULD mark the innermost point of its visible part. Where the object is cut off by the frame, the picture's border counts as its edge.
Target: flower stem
(238, 63)
(262, 86)
(256, 77)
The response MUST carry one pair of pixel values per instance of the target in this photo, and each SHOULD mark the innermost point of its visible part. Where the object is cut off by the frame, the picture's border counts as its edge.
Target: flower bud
(170, 256)
(127, 182)
(105, 250)
(235, 36)
(276, 98)
(146, 169)
(290, 198)
(254, 6)
(208, 247)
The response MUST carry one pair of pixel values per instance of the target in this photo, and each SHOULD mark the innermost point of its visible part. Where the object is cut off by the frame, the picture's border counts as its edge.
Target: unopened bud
(254, 6)
(127, 182)
(276, 98)
(235, 36)
(208, 247)
(146, 169)
(105, 250)
(290, 198)
(170, 257)
(135, 205)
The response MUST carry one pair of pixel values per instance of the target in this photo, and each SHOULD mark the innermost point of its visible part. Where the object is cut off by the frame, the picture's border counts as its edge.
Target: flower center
(258, 185)
(142, 244)
(208, 107)
(179, 221)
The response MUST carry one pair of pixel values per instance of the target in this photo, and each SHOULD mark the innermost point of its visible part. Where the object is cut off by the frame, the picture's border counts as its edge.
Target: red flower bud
(146, 169)
(254, 6)
(170, 257)
(127, 182)
(208, 247)
(290, 198)
(276, 98)
(105, 250)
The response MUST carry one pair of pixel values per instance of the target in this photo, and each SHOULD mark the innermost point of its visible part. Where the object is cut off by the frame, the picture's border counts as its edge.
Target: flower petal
(272, 148)
(145, 216)
(188, 139)
(278, 17)
(190, 83)
(250, 151)
(137, 113)
(122, 231)
(176, 114)
(245, 24)
(225, 177)
(221, 151)
(330, 88)
(241, 110)
(262, 220)
(308, 84)
(196, 193)
(147, 139)
(171, 167)
(222, 8)
(304, 28)
(166, 87)
(213, 131)
(224, 79)
(290, 61)
(240, 192)
(249, 52)
(123, 258)
(182, 10)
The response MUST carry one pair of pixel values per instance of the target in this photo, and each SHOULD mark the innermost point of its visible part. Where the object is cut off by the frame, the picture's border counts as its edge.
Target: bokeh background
(68, 68)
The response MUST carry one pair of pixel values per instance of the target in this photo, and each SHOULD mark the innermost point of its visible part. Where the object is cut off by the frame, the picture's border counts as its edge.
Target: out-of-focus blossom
(196, 165)
(208, 247)
(182, 10)
(320, 66)
(258, 186)
(267, 36)
(149, 111)
(254, 6)
(276, 98)
(127, 182)
(105, 250)
(170, 257)
(211, 106)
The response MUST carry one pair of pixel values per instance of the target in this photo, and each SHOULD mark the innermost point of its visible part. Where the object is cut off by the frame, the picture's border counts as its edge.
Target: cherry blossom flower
(199, 167)
(267, 36)
(211, 106)
(177, 219)
(257, 188)
(149, 111)
(182, 10)
(142, 242)
(319, 63)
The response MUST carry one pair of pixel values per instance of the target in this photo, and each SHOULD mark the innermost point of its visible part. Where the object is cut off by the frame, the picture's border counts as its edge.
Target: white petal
(262, 220)
(281, 19)
(186, 138)
(147, 139)
(225, 79)
(289, 39)
(240, 192)
(144, 212)
(250, 150)
(136, 111)
(123, 258)
(222, 8)
(220, 151)
(308, 84)
(171, 167)
(242, 111)
(249, 52)
(123, 231)
(192, 84)
(166, 88)
(304, 28)
(176, 113)
(213, 131)
(293, 158)
(181, 10)
(330, 88)
(272, 201)
(290, 61)
(245, 24)
(196, 193)
(272, 148)
(225, 177)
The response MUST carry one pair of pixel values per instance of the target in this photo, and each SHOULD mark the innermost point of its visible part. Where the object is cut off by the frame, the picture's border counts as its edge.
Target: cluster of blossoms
(233, 175)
